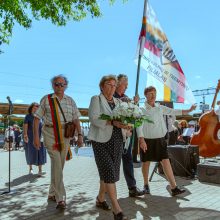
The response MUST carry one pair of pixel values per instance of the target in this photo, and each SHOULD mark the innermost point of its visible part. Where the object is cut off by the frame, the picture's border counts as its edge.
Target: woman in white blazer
(107, 142)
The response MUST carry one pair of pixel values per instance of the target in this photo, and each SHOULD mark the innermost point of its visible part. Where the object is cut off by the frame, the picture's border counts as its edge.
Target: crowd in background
(15, 135)
(180, 132)
(13, 138)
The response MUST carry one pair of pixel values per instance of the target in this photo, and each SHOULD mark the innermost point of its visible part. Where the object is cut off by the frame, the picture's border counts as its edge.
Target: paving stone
(28, 199)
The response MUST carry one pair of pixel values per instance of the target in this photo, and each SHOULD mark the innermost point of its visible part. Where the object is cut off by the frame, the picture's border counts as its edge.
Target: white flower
(127, 113)
(136, 113)
(124, 105)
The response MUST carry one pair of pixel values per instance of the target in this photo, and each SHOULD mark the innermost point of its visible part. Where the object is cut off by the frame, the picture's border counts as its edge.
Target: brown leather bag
(69, 130)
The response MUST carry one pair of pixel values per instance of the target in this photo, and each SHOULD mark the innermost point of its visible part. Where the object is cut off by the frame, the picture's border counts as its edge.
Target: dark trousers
(172, 138)
(135, 147)
(128, 167)
(17, 145)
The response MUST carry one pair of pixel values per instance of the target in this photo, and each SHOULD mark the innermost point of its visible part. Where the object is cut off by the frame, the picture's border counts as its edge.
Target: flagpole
(141, 49)
(138, 74)
(140, 52)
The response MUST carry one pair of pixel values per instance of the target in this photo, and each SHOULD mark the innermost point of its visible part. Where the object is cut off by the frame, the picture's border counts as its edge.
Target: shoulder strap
(61, 110)
(166, 122)
(59, 142)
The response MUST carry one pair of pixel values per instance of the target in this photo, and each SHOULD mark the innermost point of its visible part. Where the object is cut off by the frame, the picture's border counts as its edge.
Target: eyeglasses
(36, 105)
(109, 84)
(59, 84)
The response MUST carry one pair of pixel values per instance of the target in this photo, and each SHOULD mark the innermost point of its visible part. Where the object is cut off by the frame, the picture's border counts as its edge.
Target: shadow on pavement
(162, 208)
(31, 203)
(31, 178)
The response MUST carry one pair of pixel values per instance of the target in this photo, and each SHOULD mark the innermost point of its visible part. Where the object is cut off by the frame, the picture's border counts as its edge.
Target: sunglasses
(59, 84)
(36, 105)
(109, 84)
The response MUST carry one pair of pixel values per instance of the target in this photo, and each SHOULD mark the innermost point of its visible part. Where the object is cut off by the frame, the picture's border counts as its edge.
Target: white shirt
(68, 105)
(7, 134)
(169, 122)
(86, 131)
(158, 128)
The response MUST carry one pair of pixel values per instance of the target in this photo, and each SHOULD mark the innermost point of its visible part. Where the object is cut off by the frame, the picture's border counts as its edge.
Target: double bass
(206, 138)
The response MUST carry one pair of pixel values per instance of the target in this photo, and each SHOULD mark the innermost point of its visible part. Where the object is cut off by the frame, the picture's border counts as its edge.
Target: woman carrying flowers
(107, 141)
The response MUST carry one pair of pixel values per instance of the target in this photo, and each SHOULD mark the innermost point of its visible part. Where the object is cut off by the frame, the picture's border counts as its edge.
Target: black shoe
(119, 216)
(103, 205)
(176, 191)
(146, 189)
(61, 205)
(135, 192)
(136, 161)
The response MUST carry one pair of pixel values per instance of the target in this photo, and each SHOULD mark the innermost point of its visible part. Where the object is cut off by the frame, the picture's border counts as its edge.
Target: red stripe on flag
(152, 48)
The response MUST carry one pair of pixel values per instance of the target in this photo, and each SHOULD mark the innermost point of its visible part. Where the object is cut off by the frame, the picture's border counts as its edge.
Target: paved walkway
(28, 199)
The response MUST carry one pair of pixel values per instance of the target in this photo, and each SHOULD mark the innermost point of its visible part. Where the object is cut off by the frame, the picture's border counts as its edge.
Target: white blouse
(158, 128)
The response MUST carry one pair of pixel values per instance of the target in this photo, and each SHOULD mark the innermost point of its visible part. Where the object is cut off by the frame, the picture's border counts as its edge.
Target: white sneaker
(31, 171)
(40, 173)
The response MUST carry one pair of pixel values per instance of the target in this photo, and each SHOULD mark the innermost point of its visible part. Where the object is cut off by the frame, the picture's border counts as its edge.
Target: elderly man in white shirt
(151, 139)
(55, 140)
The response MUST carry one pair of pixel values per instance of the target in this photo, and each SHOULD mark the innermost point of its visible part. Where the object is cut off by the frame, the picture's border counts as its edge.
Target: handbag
(69, 127)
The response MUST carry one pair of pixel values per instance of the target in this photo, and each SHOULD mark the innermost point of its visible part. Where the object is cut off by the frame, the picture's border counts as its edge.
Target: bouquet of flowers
(127, 113)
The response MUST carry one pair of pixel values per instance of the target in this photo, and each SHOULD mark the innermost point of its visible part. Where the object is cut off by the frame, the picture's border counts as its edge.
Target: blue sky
(85, 51)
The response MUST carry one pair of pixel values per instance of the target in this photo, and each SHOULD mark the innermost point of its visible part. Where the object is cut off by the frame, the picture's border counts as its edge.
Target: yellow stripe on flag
(167, 94)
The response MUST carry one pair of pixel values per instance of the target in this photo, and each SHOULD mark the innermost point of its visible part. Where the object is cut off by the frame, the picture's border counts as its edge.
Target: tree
(59, 12)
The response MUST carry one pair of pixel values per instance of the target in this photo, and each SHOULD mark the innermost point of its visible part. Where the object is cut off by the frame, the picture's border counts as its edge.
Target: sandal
(51, 198)
(103, 205)
(120, 216)
(61, 205)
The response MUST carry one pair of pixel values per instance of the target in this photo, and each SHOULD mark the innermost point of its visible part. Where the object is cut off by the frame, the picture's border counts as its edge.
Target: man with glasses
(56, 109)
(127, 161)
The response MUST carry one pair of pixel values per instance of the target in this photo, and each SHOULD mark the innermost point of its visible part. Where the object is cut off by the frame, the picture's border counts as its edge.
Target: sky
(85, 51)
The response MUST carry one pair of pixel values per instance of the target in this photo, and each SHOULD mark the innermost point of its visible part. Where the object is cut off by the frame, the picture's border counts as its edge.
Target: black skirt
(156, 150)
(108, 156)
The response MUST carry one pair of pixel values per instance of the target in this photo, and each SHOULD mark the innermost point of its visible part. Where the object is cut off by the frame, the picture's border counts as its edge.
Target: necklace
(109, 100)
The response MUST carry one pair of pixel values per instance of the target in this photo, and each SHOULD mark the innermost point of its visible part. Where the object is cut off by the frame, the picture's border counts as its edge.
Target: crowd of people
(179, 131)
(45, 129)
(13, 138)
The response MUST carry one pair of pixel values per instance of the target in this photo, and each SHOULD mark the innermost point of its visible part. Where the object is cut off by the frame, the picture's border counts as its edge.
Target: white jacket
(99, 131)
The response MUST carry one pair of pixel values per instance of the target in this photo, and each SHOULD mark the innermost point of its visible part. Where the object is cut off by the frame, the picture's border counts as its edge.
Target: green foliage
(12, 122)
(136, 122)
(105, 117)
(20, 123)
(59, 12)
